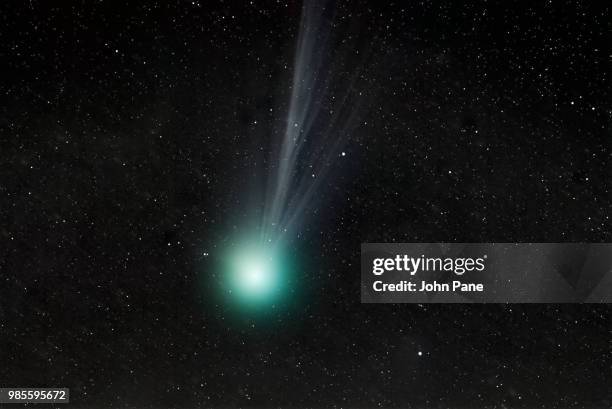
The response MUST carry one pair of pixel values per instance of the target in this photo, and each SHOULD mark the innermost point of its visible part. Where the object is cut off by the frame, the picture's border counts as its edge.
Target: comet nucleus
(255, 274)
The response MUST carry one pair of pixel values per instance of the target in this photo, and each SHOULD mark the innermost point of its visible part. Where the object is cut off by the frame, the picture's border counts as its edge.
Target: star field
(137, 141)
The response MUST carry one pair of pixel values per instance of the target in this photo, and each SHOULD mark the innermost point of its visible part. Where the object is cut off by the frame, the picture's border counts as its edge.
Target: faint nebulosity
(138, 143)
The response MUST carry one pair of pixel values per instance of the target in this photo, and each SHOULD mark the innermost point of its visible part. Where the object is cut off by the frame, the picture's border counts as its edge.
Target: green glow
(255, 274)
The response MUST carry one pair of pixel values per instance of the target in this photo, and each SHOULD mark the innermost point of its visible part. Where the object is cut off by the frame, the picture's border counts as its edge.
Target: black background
(131, 134)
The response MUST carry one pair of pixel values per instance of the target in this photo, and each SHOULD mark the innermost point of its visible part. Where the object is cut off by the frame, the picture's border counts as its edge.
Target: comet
(257, 269)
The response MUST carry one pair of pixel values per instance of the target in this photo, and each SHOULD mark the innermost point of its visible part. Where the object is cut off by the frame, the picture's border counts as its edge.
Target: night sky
(136, 143)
